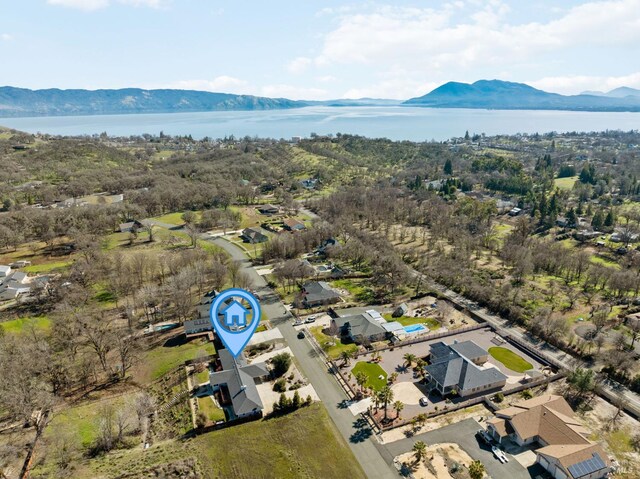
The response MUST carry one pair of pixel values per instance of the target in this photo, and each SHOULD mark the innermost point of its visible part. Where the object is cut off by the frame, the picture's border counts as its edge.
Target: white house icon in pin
(235, 314)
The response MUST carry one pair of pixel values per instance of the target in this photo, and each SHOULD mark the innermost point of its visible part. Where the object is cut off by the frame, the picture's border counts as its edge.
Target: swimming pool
(414, 328)
(162, 327)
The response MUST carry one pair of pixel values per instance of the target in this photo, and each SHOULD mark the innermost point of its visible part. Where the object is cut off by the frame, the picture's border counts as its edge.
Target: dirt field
(439, 461)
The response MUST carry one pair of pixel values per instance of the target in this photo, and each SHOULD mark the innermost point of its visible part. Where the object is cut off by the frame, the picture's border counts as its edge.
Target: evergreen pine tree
(597, 222)
(610, 220)
(448, 167)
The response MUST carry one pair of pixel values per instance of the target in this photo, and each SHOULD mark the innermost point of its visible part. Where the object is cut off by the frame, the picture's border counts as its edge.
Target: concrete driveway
(464, 434)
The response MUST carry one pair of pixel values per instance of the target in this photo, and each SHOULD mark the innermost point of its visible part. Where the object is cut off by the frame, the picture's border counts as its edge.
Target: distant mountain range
(622, 92)
(502, 95)
(486, 94)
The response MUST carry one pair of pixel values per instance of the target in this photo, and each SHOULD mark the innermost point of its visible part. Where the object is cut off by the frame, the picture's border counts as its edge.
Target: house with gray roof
(14, 284)
(4, 270)
(361, 327)
(318, 293)
(254, 235)
(458, 367)
(234, 382)
(197, 327)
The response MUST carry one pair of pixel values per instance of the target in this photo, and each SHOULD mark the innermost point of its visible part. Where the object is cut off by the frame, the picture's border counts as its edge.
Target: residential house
(254, 235)
(457, 368)
(197, 327)
(13, 283)
(292, 224)
(362, 327)
(548, 420)
(234, 381)
(5, 271)
(268, 209)
(318, 293)
(201, 324)
(586, 235)
(515, 211)
(130, 227)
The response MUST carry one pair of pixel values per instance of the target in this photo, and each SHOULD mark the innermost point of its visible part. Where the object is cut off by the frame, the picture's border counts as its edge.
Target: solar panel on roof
(587, 466)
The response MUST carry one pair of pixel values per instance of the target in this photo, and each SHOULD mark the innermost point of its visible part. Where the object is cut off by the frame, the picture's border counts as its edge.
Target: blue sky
(318, 50)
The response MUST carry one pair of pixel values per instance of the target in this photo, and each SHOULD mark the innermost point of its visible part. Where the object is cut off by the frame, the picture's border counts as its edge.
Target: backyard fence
(427, 337)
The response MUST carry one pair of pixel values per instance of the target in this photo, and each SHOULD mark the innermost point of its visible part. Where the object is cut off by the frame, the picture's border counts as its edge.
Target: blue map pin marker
(233, 329)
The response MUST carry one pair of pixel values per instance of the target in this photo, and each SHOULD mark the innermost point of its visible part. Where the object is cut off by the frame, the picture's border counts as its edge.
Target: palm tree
(409, 358)
(398, 406)
(419, 450)
(386, 396)
(420, 364)
(476, 470)
(421, 419)
(393, 377)
(361, 379)
(346, 356)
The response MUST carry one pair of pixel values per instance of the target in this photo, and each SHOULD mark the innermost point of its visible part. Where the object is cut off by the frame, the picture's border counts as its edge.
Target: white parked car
(424, 401)
(499, 454)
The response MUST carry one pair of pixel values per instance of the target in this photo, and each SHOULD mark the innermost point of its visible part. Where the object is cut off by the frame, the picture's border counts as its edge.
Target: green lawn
(565, 183)
(210, 409)
(171, 218)
(324, 341)
(22, 325)
(510, 359)
(162, 359)
(47, 267)
(303, 444)
(202, 376)
(373, 371)
(604, 261)
(431, 323)
(82, 421)
(358, 289)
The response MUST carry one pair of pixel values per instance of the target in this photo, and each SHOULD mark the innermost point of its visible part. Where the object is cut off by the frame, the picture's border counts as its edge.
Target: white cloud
(87, 5)
(299, 65)
(5, 37)
(571, 85)
(439, 39)
(91, 5)
(220, 84)
(326, 79)
(394, 85)
(293, 92)
(144, 3)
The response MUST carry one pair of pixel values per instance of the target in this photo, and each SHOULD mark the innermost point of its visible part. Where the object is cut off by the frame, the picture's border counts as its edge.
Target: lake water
(397, 123)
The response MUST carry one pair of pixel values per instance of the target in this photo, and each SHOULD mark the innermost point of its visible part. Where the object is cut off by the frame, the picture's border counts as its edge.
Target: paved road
(375, 462)
(463, 434)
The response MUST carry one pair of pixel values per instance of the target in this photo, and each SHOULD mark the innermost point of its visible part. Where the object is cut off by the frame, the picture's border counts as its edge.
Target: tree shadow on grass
(178, 340)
